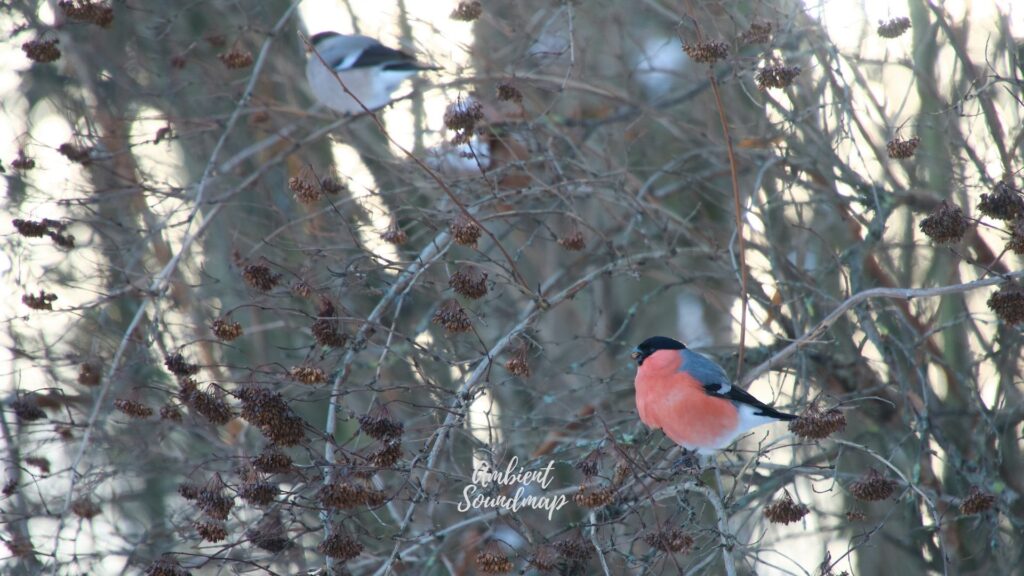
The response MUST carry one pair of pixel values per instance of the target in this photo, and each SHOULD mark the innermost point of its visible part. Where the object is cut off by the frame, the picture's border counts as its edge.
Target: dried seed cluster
(39, 462)
(872, 486)
(589, 464)
(272, 462)
(308, 374)
(1016, 242)
(226, 330)
(260, 277)
(573, 241)
(394, 234)
(269, 533)
(461, 118)
(507, 92)
(170, 412)
(325, 328)
(268, 411)
(1008, 303)
(301, 289)
(23, 163)
(901, 149)
(211, 531)
(257, 491)
(758, 33)
(946, 224)
(328, 185)
(776, 76)
(346, 494)
(464, 230)
(593, 496)
(452, 316)
(519, 364)
(815, 424)
(1004, 203)
(75, 153)
(27, 409)
(236, 58)
(469, 281)
(42, 51)
(43, 301)
(88, 11)
(88, 374)
(381, 425)
(387, 455)
(670, 540)
(492, 561)
(544, 558)
(894, 27)
(210, 406)
(133, 408)
(467, 11)
(785, 510)
(306, 191)
(340, 545)
(45, 227)
(976, 501)
(855, 515)
(706, 52)
(83, 507)
(212, 500)
(178, 366)
(166, 567)
(575, 548)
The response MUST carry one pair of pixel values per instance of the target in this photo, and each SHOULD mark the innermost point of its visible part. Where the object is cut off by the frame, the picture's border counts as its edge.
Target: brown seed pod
(593, 497)
(272, 462)
(170, 412)
(178, 366)
(133, 408)
(946, 224)
(573, 241)
(469, 281)
(225, 329)
(212, 499)
(27, 409)
(236, 58)
(1004, 203)
(84, 507)
(464, 231)
(452, 316)
(41, 51)
(574, 548)
(387, 455)
(901, 149)
(544, 558)
(166, 567)
(211, 407)
(260, 277)
(380, 425)
(670, 540)
(307, 374)
(976, 501)
(815, 424)
(872, 486)
(491, 560)
(706, 52)
(268, 411)
(785, 510)
(758, 33)
(894, 27)
(306, 191)
(340, 545)
(211, 531)
(269, 533)
(467, 11)
(43, 301)
(507, 92)
(1008, 303)
(776, 76)
(394, 234)
(88, 374)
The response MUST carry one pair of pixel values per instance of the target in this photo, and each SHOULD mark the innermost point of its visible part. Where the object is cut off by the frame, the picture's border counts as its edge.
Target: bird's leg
(689, 462)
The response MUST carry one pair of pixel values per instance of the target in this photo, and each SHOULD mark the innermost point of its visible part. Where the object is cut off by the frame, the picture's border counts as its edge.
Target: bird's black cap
(321, 36)
(653, 344)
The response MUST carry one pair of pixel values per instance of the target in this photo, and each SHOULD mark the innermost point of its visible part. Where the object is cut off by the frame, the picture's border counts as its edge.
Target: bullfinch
(691, 399)
(368, 69)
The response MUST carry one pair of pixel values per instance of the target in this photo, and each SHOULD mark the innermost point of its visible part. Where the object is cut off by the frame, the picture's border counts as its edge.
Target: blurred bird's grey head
(351, 73)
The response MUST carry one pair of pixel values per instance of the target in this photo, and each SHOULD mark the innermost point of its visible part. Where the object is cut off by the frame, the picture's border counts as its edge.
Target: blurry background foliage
(245, 336)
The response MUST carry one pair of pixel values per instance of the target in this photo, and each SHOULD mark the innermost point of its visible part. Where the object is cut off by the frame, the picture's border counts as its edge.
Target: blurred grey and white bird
(369, 70)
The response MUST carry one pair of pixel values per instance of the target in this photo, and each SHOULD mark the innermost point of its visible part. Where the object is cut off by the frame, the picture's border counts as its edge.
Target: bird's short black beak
(635, 355)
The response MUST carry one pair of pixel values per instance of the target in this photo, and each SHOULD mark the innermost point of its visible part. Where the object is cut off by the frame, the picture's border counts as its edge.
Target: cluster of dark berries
(758, 33)
(27, 409)
(900, 149)
(272, 462)
(706, 52)
(1004, 203)
(211, 407)
(269, 533)
(42, 301)
(519, 363)
(23, 163)
(467, 11)
(894, 27)
(340, 545)
(464, 230)
(670, 540)
(326, 329)
(41, 50)
(1008, 303)
(469, 281)
(225, 329)
(306, 190)
(166, 567)
(815, 424)
(268, 411)
(573, 241)
(507, 92)
(394, 234)
(785, 510)
(45, 227)
(872, 486)
(178, 366)
(236, 58)
(491, 560)
(88, 11)
(452, 316)
(946, 224)
(590, 496)
(84, 507)
(133, 408)
(776, 76)
(461, 117)
(348, 493)
(260, 277)
(75, 153)
(976, 501)
(307, 374)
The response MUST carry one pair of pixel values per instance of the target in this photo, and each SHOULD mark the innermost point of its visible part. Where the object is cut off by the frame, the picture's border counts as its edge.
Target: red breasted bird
(691, 398)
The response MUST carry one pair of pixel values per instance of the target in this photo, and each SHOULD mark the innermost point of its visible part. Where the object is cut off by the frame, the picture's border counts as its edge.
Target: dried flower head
(225, 329)
(340, 545)
(27, 409)
(213, 500)
(1016, 242)
(785, 510)
(236, 58)
(133, 408)
(301, 289)
(491, 560)
(306, 190)
(272, 462)
(573, 241)
(42, 301)
(84, 507)
(1004, 203)
(574, 548)
(945, 224)
(75, 153)
(88, 11)
(330, 185)
(347, 493)
(37, 229)
(590, 463)
(42, 51)
(88, 374)
(269, 533)
(387, 455)
(776, 76)
(189, 490)
(901, 149)
(166, 567)
(507, 92)
(268, 411)
(464, 230)
(260, 277)
(461, 118)
(469, 281)
(872, 486)
(544, 558)
(855, 515)
(894, 27)
(43, 464)
(815, 424)
(210, 406)
(519, 363)
(257, 491)
(211, 531)
(326, 329)
(1008, 303)
(308, 374)
(593, 496)
(976, 501)
(176, 363)
(670, 540)
(706, 52)
(452, 316)
(394, 234)
(23, 163)
(170, 412)
(467, 11)
(758, 33)
(380, 425)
